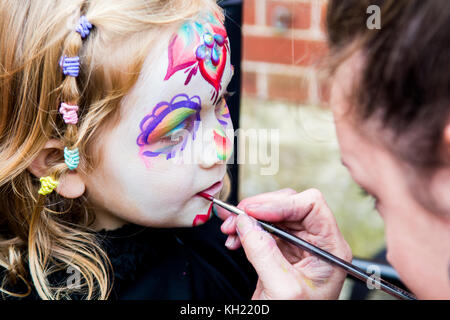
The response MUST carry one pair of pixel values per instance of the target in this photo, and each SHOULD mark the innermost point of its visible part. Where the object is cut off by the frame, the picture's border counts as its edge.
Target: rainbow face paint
(160, 128)
(157, 118)
(222, 143)
(200, 46)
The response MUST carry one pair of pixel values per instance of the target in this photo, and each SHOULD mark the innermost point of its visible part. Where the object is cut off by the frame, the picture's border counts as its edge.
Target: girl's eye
(177, 135)
(221, 104)
(222, 112)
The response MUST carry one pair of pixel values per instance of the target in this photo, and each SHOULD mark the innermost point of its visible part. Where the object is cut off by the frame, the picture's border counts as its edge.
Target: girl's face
(174, 137)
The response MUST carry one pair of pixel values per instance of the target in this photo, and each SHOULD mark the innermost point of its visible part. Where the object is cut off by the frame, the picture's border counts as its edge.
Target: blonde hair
(36, 238)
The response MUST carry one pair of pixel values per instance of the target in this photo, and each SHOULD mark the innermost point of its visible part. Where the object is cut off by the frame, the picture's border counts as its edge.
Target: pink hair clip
(69, 113)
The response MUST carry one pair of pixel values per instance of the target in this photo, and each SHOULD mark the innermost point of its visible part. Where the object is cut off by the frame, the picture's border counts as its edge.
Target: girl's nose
(208, 158)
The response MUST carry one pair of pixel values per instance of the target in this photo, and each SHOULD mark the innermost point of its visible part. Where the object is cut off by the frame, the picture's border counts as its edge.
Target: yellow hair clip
(48, 184)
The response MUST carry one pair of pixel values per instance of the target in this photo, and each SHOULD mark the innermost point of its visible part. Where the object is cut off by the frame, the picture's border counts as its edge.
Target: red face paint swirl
(202, 218)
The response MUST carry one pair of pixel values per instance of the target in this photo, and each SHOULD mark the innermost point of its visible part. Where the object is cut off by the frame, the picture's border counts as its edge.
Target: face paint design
(222, 143)
(162, 130)
(223, 113)
(200, 46)
(202, 218)
(155, 191)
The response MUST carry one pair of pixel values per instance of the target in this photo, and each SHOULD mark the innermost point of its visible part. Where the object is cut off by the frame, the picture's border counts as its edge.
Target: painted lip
(213, 189)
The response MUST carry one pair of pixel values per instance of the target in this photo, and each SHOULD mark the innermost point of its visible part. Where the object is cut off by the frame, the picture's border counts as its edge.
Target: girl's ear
(70, 185)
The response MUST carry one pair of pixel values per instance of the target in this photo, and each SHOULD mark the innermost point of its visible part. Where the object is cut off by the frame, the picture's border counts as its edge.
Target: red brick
(300, 13)
(249, 83)
(249, 12)
(288, 88)
(283, 50)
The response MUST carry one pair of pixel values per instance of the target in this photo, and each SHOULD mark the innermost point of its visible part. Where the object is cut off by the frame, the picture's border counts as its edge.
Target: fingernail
(229, 242)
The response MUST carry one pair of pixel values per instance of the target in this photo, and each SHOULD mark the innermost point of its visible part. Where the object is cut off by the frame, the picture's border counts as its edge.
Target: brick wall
(283, 42)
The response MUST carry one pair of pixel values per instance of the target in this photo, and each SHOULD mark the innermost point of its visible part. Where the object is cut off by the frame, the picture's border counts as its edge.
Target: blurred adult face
(417, 239)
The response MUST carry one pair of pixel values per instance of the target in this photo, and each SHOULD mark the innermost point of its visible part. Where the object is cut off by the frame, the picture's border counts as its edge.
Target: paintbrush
(320, 253)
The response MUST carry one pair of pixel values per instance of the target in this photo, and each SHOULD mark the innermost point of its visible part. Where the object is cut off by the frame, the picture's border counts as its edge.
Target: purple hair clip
(83, 27)
(70, 66)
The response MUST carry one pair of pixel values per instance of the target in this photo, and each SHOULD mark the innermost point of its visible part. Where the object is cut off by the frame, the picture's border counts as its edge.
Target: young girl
(112, 119)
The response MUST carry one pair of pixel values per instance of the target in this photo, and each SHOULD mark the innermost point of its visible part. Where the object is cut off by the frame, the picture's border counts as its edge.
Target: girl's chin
(196, 212)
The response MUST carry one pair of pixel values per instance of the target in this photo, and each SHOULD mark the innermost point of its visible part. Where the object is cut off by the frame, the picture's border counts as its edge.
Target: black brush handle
(350, 268)
(324, 255)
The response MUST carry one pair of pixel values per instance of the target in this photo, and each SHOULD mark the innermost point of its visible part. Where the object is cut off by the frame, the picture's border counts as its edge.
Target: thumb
(275, 272)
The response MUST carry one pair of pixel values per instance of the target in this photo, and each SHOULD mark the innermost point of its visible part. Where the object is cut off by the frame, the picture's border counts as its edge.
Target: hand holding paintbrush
(309, 258)
(285, 271)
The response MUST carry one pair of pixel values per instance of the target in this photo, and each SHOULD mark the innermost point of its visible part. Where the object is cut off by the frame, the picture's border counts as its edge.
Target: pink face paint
(182, 44)
(202, 218)
(222, 143)
(181, 114)
(200, 46)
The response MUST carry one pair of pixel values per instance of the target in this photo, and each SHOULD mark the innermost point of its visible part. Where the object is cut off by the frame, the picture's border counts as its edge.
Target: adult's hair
(405, 81)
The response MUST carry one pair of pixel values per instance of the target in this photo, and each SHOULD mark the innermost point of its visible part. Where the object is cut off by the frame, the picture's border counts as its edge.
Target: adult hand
(285, 271)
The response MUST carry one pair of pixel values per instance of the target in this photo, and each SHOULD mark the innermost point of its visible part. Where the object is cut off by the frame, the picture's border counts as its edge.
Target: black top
(176, 263)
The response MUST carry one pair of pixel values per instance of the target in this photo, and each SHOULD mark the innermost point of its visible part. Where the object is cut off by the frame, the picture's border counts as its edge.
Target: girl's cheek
(226, 145)
(223, 144)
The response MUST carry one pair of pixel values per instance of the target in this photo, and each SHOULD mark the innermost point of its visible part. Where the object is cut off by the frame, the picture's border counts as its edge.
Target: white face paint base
(161, 193)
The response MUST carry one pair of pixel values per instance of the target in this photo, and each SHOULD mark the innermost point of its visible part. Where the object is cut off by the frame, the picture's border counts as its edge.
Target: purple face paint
(163, 131)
